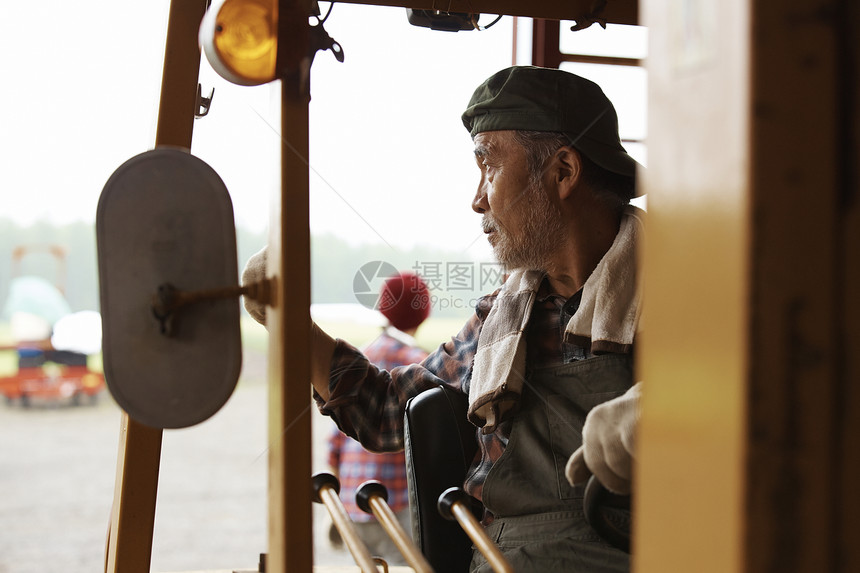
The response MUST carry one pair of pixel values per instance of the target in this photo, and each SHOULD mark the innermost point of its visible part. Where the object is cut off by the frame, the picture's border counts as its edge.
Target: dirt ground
(57, 472)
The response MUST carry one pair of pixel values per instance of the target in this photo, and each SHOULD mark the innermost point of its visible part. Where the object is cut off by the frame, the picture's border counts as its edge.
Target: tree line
(455, 280)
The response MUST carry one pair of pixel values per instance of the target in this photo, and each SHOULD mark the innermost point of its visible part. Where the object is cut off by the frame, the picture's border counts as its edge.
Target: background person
(404, 300)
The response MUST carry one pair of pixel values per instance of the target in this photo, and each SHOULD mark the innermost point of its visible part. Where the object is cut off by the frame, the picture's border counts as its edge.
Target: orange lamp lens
(240, 40)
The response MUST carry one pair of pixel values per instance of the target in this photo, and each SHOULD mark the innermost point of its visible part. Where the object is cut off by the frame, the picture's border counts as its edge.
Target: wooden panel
(694, 351)
(803, 400)
(750, 452)
(848, 302)
(616, 11)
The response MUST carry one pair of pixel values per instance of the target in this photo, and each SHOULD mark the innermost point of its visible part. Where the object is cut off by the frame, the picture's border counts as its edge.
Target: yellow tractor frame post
(129, 543)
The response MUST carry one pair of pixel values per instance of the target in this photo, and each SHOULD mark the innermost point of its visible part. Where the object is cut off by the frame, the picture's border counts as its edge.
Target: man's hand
(608, 439)
(255, 270)
(322, 345)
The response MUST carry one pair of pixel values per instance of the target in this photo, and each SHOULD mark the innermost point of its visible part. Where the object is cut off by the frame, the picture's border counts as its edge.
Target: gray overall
(539, 523)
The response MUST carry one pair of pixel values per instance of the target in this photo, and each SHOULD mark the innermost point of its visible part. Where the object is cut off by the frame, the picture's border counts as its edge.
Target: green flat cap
(529, 98)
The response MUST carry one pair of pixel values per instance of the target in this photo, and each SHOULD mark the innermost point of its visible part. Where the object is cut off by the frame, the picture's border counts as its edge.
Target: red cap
(405, 301)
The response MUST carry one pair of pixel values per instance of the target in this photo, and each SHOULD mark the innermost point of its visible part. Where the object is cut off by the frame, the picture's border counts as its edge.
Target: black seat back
(440, 445)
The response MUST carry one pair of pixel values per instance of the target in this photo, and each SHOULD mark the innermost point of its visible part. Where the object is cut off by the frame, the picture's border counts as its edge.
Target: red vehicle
(46, 373)
(59, 376)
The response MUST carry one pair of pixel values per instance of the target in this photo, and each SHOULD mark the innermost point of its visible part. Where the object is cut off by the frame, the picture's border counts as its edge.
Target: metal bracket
(586, 20)
(203, 103)
(320, 40)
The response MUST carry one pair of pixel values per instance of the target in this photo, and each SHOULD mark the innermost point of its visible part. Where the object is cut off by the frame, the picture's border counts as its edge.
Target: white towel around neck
(607, 320)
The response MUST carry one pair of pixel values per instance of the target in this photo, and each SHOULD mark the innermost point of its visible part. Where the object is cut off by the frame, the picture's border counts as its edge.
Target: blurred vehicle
(52, 344)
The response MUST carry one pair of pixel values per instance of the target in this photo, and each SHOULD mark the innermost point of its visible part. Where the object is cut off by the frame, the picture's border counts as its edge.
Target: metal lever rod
(454, 504)
(326, 490)
(169, 300)
(372, 497)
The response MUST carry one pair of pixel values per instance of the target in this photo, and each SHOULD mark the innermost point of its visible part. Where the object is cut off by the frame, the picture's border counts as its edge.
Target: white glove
(608, 440)
(255, 270)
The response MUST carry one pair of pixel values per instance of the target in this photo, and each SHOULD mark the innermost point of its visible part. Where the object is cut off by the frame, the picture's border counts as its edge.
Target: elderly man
(554, 342)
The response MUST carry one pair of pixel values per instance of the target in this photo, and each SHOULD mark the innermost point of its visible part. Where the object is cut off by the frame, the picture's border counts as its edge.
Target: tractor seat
(440, 445)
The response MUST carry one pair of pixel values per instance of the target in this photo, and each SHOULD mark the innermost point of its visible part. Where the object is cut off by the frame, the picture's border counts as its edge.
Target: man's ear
(567, 170)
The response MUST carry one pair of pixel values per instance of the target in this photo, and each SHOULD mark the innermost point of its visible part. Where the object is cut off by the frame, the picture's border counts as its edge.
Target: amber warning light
(239, 38)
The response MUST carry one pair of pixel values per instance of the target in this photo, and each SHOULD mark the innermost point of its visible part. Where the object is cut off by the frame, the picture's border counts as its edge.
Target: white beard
(542, 227)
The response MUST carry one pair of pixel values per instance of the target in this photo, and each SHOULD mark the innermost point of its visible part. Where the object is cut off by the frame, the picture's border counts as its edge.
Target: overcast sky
(390, 160)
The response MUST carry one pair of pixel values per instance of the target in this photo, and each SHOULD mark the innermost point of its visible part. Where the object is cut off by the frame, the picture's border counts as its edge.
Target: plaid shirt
(355, 465)
(368, 402)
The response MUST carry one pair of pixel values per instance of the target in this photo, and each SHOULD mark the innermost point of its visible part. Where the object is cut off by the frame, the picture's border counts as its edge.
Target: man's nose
(479, 202)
